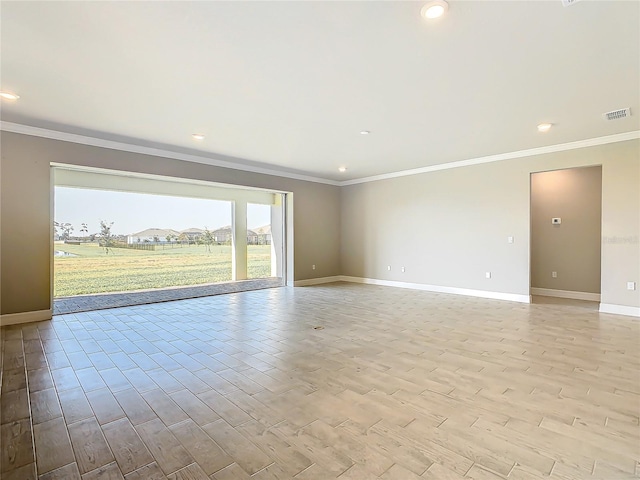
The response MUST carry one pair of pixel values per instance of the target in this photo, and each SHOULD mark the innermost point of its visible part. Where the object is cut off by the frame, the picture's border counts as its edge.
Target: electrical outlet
(631, 285)
(313, 267)
(402, 269)
(487, 275)
(389, 267)
(509, 239)
(554, 274)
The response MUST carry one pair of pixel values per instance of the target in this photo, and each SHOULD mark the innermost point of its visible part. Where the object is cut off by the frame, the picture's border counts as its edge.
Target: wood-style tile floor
(338, 381)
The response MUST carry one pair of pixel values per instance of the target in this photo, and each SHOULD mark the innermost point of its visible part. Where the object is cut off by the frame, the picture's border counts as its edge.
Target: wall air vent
(616, 114)
(566, 3)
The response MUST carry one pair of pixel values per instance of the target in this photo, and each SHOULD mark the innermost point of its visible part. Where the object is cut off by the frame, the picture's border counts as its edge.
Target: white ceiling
(289, 85)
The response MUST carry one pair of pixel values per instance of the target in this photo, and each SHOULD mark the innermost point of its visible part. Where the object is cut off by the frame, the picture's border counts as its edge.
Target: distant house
(264, 235)
(193, 234)
(254, 237)
(222, 235)
(153, 235)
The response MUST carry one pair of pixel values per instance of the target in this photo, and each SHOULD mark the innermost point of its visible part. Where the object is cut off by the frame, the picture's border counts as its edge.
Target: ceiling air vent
(566, 3)
(616, 114)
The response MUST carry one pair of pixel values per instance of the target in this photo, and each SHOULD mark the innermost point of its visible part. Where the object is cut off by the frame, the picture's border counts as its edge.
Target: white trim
(561, 147)
(161, 178)
(511, 297)
(549, 292)
(620, 309)
(316, 281)
(156, 152)
(25, 317)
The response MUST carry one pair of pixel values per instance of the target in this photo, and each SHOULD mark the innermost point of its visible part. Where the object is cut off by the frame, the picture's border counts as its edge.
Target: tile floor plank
(44, 406)
(53, 448)
(397, 384)
(16, 438)
(148, 472)
(75, 405)
(242, 450)
(26, 472)
(15, 406)
(105, 406)
(68, 472)
(190, 472)
(207, 454)
(168, 452)
(106, 472)
(128, 448)
(137, 410)
(164, 406)
(89, 445)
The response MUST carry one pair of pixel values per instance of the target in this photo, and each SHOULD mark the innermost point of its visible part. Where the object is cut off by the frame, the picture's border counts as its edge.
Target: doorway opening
(566, 224)
(128, 240)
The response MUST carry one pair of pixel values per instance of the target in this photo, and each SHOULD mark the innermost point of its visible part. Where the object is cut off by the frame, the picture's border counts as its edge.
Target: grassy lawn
(93, 271)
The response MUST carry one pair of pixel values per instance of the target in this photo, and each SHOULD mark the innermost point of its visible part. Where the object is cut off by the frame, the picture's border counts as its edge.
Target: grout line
(26, 377)
(302, 471)
(472, 465)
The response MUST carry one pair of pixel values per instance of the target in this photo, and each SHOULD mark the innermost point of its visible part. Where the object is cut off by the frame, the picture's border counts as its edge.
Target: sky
(134, 212)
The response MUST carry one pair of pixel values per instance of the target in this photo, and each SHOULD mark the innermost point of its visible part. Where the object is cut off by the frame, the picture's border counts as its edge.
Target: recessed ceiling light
(198, 136)
(342, 169)
(544, 127)
(434, 9)
(9, 96)
(365, 132)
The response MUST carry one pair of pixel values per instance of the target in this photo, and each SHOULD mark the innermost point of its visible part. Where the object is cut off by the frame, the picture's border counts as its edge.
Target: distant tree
(183, 238)
(207, 239)
(170, 238)
(67, 229)
(84, 230)
(107, 239)
(156, 239)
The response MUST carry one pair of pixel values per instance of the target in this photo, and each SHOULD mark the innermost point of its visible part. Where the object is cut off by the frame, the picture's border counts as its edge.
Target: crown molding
(561, 147)
(156, 152)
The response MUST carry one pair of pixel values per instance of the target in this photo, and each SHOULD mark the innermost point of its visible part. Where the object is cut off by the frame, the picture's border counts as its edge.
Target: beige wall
(25, 234)
(572, 248)
(449, 227)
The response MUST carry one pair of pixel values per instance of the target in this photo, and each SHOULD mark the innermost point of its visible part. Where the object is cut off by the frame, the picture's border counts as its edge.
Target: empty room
(320, 240)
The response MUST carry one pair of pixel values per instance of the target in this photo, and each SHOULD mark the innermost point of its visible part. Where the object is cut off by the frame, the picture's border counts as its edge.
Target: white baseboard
(316, 281)
(550, 292)
(25, 317)
(620, 309)
(512, 297)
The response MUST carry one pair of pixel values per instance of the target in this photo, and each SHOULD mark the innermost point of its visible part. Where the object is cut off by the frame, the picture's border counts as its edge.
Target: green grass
(94, 271)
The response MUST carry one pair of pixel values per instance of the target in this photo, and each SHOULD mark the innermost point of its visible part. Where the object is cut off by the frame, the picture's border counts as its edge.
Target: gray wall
(572, 248)
(449, 227)
(26, 206)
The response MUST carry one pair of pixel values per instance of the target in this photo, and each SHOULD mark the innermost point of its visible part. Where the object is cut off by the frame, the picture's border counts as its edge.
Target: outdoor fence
(134, 246)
